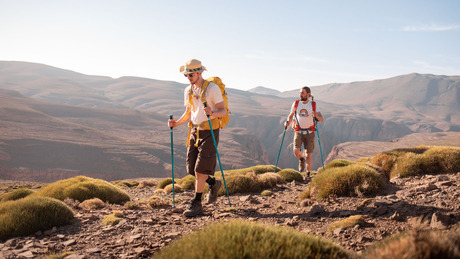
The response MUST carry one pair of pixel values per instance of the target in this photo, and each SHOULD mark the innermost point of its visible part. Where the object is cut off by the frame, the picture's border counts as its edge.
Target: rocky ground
(144, 231)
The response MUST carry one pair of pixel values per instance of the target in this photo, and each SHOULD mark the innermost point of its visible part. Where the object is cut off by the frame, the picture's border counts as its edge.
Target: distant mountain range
(58, 123)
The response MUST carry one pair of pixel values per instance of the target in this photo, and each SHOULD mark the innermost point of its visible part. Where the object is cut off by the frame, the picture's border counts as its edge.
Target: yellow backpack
(217, 123)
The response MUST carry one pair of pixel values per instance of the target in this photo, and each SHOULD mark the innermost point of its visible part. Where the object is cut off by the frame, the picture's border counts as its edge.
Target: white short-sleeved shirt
(213, 95)
(304, 115)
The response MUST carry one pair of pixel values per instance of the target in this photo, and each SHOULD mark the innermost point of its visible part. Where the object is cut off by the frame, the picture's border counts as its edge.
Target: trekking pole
(282, 140)
(217, 152)
(172, 160)
(319, 142)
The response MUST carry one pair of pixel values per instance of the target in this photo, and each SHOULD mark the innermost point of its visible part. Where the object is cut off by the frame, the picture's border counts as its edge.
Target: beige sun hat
(192, 66)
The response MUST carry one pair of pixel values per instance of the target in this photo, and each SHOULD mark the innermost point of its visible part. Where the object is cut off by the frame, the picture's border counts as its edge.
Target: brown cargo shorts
(202, 159)
(307, 139)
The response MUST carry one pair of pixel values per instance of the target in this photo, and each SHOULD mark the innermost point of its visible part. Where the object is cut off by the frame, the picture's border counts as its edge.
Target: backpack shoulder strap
(204, 89)
(296, 104)
(313, 105)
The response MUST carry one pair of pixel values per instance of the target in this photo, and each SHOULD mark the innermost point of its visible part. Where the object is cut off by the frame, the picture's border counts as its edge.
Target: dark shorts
(307, 139)
(202, 159)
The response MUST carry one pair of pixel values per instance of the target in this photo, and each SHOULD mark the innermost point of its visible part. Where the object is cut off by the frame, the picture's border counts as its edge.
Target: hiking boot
(302, 164)
(308, 174)
(194, 209)
(213, 191)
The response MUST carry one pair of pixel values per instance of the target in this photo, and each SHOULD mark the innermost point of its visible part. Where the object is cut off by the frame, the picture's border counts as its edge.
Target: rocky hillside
(355, 150)
(145, 231)
(58, 123)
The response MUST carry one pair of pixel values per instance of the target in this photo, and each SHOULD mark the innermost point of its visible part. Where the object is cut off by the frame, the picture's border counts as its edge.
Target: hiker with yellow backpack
(206, 108)
(305, 115)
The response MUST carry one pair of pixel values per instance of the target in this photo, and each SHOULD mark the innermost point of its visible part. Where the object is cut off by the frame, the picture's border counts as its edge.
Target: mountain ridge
(135, 110)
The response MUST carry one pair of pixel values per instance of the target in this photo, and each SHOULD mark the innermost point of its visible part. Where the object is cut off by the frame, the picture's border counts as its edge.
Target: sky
(282, 45)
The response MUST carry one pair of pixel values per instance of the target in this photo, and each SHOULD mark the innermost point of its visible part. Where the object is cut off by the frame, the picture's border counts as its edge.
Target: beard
(304, 99)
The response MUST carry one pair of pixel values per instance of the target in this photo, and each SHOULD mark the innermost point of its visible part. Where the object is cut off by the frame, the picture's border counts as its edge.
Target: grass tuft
(169, 188)
(187, 183)
(15, 195)
(355, 179)
(163, 183)
(266, 193)
(31, 214)
(157, 202)
(239, 183)
(92, 204)
(111, 220)
(147, 183)
(82, 188)
(290, 175)
(347, 223)
(239, 239)
(417, 243)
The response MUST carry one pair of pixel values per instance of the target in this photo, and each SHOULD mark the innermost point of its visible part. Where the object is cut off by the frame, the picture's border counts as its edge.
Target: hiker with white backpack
(305, 115)
(205, 109)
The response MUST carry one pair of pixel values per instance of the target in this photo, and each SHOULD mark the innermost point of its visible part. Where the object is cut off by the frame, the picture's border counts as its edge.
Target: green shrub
(187, 183)
(338, 163)
(111, 220)
(16, 194)
(290, 175)
(31, 214)
(126, 183)
(261, 169)
(238, 239)
(169, 188)
(147, 183)
(385, 161)
(82, 188)
(157, 202)
(238, 183)
(258, 169)
(346, 181)
(269, 180)
(431, 161)
(266, 193)
(164, 182)
(347, 223)
(417, 243)
(410, 164)
(92, 204)
(446, 158)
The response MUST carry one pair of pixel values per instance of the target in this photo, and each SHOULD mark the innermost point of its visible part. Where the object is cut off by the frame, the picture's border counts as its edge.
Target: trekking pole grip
(170, 117)
(205, 105)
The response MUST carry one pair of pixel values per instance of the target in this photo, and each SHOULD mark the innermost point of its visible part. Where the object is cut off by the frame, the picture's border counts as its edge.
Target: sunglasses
(189, 75)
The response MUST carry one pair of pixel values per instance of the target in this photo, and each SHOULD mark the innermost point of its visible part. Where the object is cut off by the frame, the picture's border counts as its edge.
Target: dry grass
(111, 220)
(290, 175)
(147, 183)
(169, 188)
(31, 214)
(266, 193)
(187, 183)
(347, 223)
(157, 202)
(352, 180)
(269, 180)
(163, 183)
(418, 161)
(126, 183)
(82, 188)
(419, 242)
(239, 239)
(92, 204)
(15, 194)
